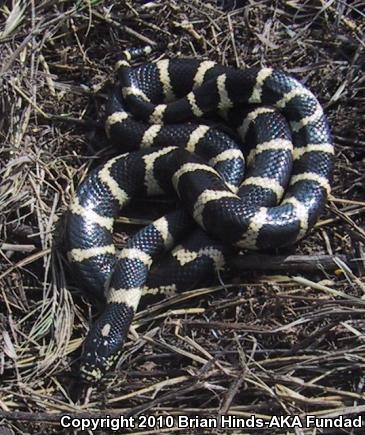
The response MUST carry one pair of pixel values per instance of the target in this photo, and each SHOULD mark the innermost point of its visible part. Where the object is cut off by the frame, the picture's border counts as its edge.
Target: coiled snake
(158, 113)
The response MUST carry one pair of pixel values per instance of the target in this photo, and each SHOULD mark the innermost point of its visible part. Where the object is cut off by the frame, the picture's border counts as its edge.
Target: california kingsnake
(158, 114)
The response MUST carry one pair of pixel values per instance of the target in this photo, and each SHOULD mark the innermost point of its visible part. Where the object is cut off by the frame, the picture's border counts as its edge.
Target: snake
(246, 154)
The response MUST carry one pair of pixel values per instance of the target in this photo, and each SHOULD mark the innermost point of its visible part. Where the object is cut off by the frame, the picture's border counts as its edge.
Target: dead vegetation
(279, 343)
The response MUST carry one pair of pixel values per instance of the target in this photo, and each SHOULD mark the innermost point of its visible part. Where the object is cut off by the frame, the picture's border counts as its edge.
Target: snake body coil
(158, 113)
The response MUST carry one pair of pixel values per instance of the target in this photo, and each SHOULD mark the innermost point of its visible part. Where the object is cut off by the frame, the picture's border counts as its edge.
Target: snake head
(104, 341)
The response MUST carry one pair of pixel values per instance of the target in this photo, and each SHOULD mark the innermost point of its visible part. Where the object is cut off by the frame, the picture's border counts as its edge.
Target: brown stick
(287, 263)
(124, 28)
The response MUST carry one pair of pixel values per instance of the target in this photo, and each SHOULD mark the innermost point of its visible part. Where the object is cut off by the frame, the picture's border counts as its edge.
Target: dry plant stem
(124, 28)
(288, 264)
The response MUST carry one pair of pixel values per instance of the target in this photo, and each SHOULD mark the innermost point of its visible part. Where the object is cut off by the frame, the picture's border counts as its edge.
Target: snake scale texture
(261, 187)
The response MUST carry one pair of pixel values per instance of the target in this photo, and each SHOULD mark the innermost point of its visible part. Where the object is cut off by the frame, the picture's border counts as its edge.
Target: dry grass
(274, 344)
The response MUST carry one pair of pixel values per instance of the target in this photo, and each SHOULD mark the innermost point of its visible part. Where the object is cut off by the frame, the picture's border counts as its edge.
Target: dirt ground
(264, 343)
